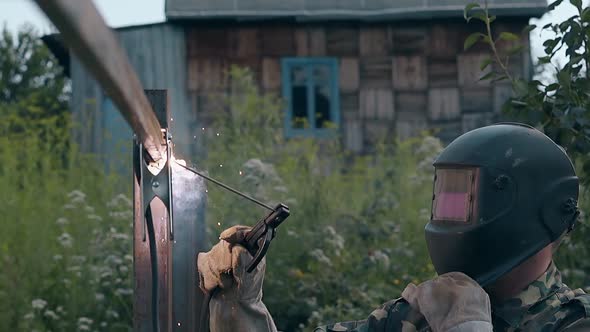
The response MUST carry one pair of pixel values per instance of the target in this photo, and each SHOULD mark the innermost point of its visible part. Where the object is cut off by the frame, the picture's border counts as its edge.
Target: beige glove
(236, 304)
(452, 302)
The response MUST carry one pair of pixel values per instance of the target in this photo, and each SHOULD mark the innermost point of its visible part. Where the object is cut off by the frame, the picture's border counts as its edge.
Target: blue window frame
(310, 89)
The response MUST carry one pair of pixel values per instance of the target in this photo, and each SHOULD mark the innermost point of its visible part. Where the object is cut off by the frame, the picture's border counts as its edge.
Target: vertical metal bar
(142, 309)
(189, 239)
(170, 190)
(153, 258)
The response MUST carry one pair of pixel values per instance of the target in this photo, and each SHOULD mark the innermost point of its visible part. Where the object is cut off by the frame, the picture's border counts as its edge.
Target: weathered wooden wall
(394, 79)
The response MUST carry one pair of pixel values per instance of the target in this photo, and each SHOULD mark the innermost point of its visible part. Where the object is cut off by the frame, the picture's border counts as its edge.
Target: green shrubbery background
(354, 240)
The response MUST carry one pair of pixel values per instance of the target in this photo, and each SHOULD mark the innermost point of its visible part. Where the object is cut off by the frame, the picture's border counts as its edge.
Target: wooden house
(369, 67)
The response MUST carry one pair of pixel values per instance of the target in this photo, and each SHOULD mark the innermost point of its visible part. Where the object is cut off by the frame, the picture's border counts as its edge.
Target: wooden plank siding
(400, 76)
(158, 54)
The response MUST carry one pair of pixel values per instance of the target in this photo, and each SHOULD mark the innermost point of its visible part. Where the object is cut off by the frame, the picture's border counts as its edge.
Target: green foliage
(31, 81)
(65, 246)
(558, 105)
(65, 240)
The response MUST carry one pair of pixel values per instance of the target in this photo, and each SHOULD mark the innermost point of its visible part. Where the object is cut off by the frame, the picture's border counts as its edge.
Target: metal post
(166, 295)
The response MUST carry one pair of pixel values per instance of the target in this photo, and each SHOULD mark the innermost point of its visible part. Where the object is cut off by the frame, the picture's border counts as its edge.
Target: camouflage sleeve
(391, 317)
(579, 326)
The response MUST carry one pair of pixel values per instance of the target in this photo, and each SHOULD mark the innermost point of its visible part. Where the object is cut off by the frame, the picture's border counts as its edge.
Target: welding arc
(226, 187)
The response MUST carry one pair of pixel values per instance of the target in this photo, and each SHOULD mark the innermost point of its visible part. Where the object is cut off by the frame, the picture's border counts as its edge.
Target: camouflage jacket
(547, 304)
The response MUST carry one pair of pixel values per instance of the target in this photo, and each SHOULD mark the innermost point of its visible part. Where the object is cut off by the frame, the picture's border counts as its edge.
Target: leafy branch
(559, 103)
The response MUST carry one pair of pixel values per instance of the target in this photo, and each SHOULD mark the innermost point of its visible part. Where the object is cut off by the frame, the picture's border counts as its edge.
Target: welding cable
(226, 187)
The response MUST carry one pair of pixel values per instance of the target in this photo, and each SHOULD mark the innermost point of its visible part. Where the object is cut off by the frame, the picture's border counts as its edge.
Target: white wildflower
(112, 314)
(69, 207)
(57, 258)
(121, 215)
(380, 257)
(114, 260)
(89, 209)
(123, 291)
(65, 240)
(38, 304)
(29, 316)
(319, 255)
(99, 296)
(51, 314)
(123, 269)
(120, 236)
(120, 201)
(79, 259)
(77, 197)
(85, 320)
(94, 217)
(61, 221)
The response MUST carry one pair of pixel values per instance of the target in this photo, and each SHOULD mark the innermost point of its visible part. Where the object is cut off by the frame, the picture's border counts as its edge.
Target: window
(310, 88)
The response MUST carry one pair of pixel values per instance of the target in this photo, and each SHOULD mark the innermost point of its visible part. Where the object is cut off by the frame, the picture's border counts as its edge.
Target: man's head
(502, 194)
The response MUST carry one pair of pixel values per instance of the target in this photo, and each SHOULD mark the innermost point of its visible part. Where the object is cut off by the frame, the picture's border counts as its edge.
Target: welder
(504, 197)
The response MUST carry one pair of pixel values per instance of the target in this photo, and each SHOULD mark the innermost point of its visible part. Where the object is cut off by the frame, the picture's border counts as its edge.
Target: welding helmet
(501, 194)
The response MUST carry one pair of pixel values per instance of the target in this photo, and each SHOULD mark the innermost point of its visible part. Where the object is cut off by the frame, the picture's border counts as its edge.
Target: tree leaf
(508, 36)
(554, 4)
(468, 8)
(552, 87)
(485, 63)
(487, 76)
(544, 60)
(529, 28)
(577, 4)
(480, 16)
(515, 50)
(471, 40)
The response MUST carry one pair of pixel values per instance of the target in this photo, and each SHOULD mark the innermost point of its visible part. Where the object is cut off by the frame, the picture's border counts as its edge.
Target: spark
(203, 129)
(241, 173)
(220, 165)
(218, 224)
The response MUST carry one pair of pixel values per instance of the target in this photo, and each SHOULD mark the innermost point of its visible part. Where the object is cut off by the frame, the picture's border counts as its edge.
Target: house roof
(369, 10)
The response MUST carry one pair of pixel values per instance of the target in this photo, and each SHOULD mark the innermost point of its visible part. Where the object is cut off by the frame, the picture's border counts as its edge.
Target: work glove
(452, 302)
(236, 295)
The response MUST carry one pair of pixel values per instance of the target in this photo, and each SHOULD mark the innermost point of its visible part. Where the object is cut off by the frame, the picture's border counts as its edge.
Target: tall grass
(65, 233)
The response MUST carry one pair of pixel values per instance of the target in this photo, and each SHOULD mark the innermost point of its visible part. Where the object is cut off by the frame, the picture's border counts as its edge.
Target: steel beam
(96, 46)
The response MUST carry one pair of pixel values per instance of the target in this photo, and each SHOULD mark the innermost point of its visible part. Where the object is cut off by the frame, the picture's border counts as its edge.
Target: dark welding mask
(501, 194)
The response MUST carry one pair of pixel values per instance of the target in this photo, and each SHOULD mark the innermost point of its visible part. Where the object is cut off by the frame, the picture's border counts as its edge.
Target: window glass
(311, 92)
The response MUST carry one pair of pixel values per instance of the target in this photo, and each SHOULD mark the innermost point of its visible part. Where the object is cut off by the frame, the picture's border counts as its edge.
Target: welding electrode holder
(158, 185)
(258, 239)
